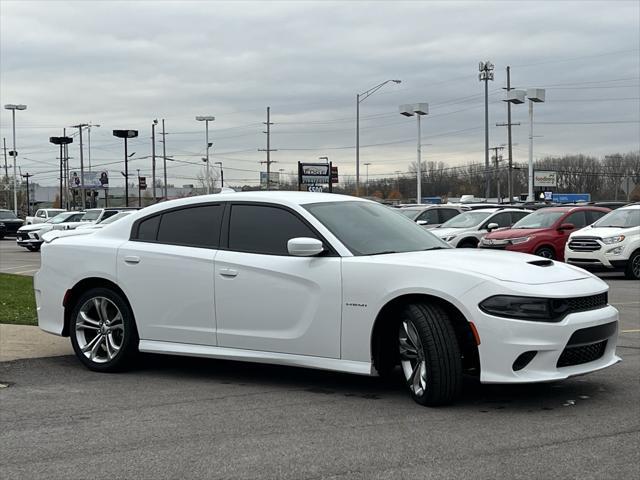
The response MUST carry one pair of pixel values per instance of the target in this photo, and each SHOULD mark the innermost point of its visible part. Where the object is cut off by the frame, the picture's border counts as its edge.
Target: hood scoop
(541, 263)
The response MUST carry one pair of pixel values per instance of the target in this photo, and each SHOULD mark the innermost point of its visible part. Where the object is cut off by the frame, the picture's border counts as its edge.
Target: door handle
(228, 272)
(131, 259)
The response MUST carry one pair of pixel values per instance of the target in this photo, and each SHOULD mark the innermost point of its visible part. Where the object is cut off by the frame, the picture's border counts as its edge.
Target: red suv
(543, 232)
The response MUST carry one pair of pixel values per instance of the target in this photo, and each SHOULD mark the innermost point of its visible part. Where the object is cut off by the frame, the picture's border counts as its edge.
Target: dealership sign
(314, 173)
(545, 179)
(92, 180)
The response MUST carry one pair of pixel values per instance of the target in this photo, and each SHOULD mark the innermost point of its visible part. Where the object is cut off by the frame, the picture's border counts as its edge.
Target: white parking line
(636, 330)
(19, 266)
(625, 304)
(26, 272)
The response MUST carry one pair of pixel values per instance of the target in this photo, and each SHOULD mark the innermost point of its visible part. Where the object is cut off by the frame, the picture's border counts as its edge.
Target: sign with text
(91, 180)
(142, 183)
(314, 173)
(545, 179)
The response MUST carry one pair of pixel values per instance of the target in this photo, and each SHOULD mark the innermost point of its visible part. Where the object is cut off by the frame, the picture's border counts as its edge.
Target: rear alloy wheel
(632, 271)
(429, 355)
(103, 332)
(546, 252)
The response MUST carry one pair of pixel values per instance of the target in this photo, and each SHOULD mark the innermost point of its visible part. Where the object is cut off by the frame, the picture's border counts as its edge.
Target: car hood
(33, 227)
(500, 265)
(11, 220)
(515, 233)
(604, 232)
(445, 232)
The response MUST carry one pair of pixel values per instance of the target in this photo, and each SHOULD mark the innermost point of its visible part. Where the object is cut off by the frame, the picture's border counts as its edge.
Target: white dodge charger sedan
(322, 281)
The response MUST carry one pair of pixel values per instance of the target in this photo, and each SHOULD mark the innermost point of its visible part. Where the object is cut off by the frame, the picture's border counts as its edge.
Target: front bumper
(598, 260)
(560, 352)
(24, 239)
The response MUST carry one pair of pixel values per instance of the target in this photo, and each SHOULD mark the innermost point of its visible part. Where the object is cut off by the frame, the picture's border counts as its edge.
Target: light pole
(486, 74)
(366, 185)
(536, 95)
(153, 157)
(126, 134)
(62, 141)
(361, 97)
(417, 109)
(206, 119)
(221, 175)
(13, 109)
(89, 125)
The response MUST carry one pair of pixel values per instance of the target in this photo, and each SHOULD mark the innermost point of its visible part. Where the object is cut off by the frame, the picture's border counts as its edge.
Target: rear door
(166, 270)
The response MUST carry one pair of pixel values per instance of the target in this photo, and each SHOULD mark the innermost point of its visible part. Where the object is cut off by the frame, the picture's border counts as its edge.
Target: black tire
(632, 272)
(33, 248)
(468, 243)
(439, 357)
(546, 252)
(126, 335)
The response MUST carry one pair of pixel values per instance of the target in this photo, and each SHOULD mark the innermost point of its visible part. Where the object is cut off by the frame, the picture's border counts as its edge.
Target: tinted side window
(503, 219)
(107, 214)
(515, 216)
(430, 216)
(448, 214)
(577, 218)
(192, 226)
(148, 229)
(594, 215)
(264, 229)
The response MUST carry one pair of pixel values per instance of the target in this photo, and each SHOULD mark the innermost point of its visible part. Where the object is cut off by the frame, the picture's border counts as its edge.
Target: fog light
(523, 360)
(615, 251)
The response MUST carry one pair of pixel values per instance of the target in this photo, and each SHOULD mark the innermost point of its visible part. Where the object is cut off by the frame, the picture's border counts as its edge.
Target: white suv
(467, 229)
(611, 243)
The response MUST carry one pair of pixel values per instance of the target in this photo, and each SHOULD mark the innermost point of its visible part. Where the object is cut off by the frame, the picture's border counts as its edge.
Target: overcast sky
(123, 64)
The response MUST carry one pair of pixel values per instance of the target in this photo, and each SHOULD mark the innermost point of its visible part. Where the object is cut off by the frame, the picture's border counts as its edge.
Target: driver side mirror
(567, 226)
(304, 247)
(422, 222)
(492, 226)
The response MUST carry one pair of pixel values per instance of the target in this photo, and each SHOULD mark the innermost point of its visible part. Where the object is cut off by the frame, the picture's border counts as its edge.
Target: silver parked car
(432, 216)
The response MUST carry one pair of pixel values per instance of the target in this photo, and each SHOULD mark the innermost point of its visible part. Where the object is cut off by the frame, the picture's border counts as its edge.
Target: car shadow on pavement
(475, 396)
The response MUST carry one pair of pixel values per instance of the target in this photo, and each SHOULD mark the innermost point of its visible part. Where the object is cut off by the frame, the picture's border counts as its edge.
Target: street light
(361, 97)
(206, 120)
(153, 157)
(366, 185)
(126, 134)
(13, 109)
(417, 109)
(221, 175)
(536, 95)
(62, 141)
(89, 125)
(486, 74)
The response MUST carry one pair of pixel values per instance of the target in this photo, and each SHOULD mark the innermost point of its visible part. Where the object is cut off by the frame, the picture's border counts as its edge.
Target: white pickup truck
(43, 214)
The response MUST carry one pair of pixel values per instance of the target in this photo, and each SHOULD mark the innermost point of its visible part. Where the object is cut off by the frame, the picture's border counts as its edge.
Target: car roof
(574, 209)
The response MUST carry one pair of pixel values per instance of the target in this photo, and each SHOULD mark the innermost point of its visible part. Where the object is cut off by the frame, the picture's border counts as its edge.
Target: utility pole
(268, 123)
(153, 157)
(80, 127)
(509, 138)
(486, 74)
(164, 158)
(4, 146)
(497, 169)
(139, 194)
(27, 176)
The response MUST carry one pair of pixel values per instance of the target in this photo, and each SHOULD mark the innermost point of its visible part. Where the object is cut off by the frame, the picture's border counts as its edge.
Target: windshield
(7, 215)
(369, 228)
(409, 212)
(623, 218)
(466, 220)
(539, 219)
(91, 215)
(60, 218)
(117, 216)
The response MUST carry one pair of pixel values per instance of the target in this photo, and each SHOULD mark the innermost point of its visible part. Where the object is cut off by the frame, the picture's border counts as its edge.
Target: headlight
(525, 308)
(515, 241)
(611, 240)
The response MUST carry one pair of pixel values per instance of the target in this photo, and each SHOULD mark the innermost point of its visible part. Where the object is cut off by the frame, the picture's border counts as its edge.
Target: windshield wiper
(384, 252)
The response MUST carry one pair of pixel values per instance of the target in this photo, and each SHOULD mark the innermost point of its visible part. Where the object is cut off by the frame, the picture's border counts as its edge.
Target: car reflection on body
(320, 281)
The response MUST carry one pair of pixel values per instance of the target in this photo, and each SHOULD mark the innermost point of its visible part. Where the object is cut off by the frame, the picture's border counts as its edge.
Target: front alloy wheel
(412, 358)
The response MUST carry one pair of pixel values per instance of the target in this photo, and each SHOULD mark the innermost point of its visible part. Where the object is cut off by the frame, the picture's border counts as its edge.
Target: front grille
(592, 302)
(23, 236)
(582, 354)
(584, 244)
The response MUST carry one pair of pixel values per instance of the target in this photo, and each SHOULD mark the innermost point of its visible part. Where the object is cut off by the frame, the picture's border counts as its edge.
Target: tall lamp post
(486, 74)
(153, 157)
(535, 95)
(13, 109)
(126, 134)
(361, 97)
(62, 141)
(366, 185)
(221, 175)
(417, 109)
(206, 119)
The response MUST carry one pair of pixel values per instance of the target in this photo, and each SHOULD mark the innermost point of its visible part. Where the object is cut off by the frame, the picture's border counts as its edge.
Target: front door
(268, 300)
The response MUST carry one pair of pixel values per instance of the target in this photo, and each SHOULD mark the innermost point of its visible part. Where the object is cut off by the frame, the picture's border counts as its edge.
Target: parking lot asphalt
(177, 417)
(18, 260)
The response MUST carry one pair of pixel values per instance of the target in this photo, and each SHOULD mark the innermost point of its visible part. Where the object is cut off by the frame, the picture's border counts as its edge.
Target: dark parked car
(9, 223)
